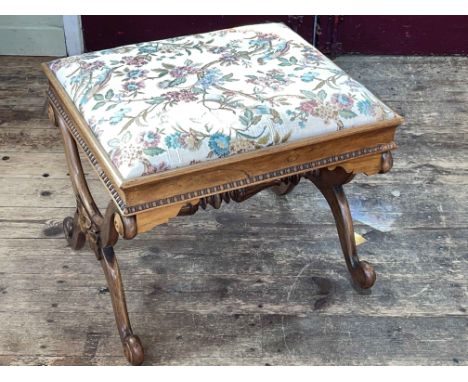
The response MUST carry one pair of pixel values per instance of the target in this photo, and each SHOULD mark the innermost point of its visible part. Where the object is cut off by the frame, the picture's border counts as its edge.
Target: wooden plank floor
(260, 283)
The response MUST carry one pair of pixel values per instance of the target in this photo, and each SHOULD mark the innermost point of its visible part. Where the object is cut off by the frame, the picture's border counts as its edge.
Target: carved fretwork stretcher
(139, 203)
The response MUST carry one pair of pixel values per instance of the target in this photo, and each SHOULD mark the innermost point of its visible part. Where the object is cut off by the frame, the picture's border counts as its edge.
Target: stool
(175, 125)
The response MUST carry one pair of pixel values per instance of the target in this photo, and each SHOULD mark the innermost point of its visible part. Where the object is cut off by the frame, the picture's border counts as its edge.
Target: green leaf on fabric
(227, 77)
(197, 90)
(256, 119)
(111, 106)
(293, 60)
(347, 114)
(153, 151)
(284, 61)
(244, 121)
(319, 85)
(98, 97)
(126, 126)
(286, 137)
(98, 105)
(177, 81)
(264, 140)
(156, 100)
(248, 114)
(109, 94)
(276, 117)
(309, 94)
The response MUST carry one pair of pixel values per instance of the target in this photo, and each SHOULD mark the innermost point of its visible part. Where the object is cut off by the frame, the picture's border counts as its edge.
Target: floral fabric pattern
(171, 103)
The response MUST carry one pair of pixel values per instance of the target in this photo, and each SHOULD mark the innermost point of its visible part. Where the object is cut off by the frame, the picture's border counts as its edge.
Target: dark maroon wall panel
(423, 35)
(101, 32)
(408, 35)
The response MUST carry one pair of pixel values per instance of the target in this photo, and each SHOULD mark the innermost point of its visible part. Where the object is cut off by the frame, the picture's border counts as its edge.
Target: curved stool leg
(133, 349)
(100, 232)
(330, 184)
(104, 250)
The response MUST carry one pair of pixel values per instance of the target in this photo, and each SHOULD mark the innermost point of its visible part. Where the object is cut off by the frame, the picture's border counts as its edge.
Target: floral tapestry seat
(172, 103)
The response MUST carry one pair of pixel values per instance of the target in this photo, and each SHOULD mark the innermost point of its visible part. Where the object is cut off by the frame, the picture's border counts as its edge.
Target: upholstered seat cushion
(166, 104)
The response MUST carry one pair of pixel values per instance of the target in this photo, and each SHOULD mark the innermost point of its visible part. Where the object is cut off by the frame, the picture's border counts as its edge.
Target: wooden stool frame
(138, 205)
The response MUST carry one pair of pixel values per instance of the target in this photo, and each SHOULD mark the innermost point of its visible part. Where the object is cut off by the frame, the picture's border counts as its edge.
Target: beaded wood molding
(72, 128)
(225, 187)
(278, 174)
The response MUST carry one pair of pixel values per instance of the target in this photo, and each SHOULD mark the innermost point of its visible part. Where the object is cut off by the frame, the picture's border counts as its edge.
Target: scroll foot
(363, 275)
(133, 350)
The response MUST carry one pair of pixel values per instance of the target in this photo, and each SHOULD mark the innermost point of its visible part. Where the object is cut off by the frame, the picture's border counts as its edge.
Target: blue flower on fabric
(308, 77)
(301, 124)
(343, 101)
(147, 49)
(259, 43)
(136, 73)
(365, 107)
(132, 86)
(262, 109)
(219, 143)
(212, 77)
(173, 141)
(118, 116)
(149, 136)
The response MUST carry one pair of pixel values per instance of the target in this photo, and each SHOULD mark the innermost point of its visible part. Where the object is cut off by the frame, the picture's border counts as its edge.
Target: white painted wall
(73, 35)
(33, 35)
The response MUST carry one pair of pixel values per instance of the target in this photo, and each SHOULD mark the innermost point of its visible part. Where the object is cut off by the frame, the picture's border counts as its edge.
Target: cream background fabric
(172, 103)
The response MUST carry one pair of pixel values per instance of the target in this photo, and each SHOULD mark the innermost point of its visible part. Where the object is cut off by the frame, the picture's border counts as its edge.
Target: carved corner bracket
(379, 163)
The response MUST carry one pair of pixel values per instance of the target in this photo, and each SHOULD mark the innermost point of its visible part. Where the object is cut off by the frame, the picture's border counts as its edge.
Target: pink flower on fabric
(182, 71)
(183, 95)
(343, 101)
(308, 106)
(135, 61)
(149, 139)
